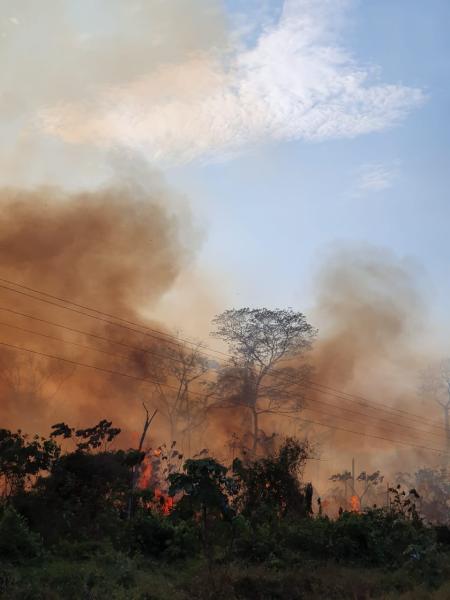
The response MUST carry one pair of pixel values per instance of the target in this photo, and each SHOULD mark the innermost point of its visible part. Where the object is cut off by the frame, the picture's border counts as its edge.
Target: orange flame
(165, 502)
(146, 474)
(147, 479)
(355, 504)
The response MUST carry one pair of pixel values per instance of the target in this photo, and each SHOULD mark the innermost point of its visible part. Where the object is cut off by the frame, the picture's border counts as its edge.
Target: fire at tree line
(81, 517)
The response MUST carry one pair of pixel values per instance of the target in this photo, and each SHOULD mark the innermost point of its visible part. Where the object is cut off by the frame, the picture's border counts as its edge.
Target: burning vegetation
(81, 499)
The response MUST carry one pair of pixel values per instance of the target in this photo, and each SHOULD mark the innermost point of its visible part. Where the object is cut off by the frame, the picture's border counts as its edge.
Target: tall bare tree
(265, 374)
(182, 390)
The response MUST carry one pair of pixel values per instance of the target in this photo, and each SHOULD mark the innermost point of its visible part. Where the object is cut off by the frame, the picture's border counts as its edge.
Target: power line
(122, 356)
(150, 352)
(377, 405)
(153, 381)
(99, 312)
(148, 380)
(414, 418)
(370, 435)
(58, 339)
(348, 419)
(80, 312)
(378, 419)
(176, 340)
(93, 335)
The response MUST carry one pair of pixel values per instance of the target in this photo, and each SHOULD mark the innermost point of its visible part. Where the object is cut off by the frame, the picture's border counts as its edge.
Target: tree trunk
(135, 469)
(255, 431)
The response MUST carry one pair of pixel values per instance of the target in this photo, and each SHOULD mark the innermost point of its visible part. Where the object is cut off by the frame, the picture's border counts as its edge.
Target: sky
(387, 188)
(289, 127)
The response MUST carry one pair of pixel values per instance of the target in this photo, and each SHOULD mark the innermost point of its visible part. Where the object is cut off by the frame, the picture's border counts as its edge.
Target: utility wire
(58, 339)
(88, 366)
(93, 335)
(176, 340)
(153, 381)
(378, 437)
(100, 312)
(128, 358)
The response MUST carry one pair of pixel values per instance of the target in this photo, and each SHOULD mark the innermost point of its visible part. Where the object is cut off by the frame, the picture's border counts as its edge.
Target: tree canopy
(265, 373)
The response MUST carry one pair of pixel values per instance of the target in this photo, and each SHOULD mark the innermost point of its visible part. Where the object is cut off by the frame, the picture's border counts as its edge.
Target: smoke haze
(117, 249)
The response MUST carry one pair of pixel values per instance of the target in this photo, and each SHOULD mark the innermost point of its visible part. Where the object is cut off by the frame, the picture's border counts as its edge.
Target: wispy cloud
(295, 82)
(374, 177)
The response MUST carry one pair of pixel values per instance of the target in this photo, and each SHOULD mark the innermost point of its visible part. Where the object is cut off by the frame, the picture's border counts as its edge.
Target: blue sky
(272, 211)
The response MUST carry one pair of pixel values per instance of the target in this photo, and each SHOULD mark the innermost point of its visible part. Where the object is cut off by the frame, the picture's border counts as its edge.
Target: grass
(114, 576)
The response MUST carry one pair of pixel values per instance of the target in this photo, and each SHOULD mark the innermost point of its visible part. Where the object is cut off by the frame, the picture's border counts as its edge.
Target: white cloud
(296, 82)
(374, 177)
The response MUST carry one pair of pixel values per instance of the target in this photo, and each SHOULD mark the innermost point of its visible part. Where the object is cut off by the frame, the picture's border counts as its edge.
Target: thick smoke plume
(370, 310)
(372, 346)
(117, 249)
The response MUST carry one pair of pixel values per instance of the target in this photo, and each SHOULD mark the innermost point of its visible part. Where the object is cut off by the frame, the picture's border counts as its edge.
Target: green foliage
(377, 537)
(152, 534)
(84, 495)
(204, 486)
(22, 459)
(160, 537)
(90, 438)
(373, 538)
(17, 542)
(272, 484)
(250, 534)
(8, 579)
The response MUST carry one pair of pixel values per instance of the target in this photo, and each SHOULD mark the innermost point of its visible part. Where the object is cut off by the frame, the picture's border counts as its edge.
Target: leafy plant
(204, 488)
(17, 542)
(274, 483)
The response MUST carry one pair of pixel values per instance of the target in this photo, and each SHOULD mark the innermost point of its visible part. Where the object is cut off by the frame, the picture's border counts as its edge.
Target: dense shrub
(372, 538)
(17, 542)
(160, 537)
(377, 537)
(245, 533)
(272, 484)
(151, 534)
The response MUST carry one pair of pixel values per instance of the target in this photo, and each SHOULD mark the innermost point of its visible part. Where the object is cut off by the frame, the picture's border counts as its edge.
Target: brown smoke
(372, 322)
(120, 249)
(117, 249)
(369, 308)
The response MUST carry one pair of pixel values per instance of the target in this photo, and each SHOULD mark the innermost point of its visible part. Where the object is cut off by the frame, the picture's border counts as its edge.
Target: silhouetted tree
(22, 460)
(367, 482)
(264, 375)
(91, 438)
(205, 490)
(181, 389)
